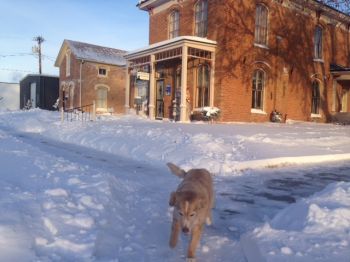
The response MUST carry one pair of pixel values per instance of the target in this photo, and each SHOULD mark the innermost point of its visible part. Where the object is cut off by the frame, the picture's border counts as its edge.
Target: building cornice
(148, 5)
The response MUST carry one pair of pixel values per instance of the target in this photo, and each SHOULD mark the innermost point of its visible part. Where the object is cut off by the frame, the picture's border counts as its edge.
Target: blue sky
(113, 23)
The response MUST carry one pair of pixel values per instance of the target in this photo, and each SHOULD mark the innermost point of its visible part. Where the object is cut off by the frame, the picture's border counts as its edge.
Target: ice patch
(57, 192)
(286, 251)
(89, 202)
(80, 220)
(49, 225)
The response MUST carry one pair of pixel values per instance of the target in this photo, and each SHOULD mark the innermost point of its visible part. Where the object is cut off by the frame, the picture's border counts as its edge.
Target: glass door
(160, 99)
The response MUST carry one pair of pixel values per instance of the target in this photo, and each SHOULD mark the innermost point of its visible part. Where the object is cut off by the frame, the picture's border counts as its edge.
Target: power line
(18, 54)
(16, 70)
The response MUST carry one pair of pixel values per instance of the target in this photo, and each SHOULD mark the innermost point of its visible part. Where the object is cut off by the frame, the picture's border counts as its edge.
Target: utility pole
(37, 49)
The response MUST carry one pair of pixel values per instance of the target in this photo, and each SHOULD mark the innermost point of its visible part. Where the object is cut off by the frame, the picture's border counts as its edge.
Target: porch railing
(83, 113)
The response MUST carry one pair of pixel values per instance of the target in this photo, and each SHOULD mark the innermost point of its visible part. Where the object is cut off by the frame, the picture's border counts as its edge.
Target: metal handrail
(82, 113)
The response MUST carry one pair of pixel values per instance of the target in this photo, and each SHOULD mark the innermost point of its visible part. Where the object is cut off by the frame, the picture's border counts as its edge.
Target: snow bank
(221, 148)
(313, 229)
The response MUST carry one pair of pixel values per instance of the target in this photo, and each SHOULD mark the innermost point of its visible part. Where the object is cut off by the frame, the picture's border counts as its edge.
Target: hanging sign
(142, 76)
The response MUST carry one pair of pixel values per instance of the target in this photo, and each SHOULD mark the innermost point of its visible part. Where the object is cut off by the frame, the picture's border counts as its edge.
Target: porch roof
(339, 72)
(191, 41)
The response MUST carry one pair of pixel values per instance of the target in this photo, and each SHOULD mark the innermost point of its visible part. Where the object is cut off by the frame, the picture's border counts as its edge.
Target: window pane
(174, 20)
(315, 99)
(201, 17)
(318, 42)
(261, 25)
(203, 86)
(258, 89)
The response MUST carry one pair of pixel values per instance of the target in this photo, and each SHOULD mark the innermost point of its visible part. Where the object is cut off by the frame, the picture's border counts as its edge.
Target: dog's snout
(185, 230)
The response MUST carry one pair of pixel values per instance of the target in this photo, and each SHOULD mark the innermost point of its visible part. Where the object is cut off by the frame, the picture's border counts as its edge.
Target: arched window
(261, 16)
(203, 86)
(101, 101)
(201, 18)
(315, 98)
(174, 24)
(258, 89)
(318, 42)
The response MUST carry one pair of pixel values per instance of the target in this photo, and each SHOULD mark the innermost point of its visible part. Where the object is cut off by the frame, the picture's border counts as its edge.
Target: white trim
(316, 115)
(97, 86)
(153, 48)
(334, 95)
(344, 101)
(102, 67)
(68, 62)
(261, 46)
(261, 62)
(257, 111)
(318, 60)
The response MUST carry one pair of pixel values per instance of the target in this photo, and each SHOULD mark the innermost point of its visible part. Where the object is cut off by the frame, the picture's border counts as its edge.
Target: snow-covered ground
(98, 191)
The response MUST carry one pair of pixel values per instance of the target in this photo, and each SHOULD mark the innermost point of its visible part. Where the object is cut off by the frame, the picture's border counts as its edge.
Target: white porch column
(152, 88)
(127, 89)
(212, 80)
(183, 106)
(334, 91)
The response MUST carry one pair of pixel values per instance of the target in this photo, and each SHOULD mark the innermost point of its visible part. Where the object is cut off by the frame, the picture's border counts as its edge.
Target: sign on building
(142, 76)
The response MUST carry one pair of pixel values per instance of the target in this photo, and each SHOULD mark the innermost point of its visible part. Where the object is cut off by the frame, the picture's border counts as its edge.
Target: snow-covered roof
(93, 53)
(171, 41)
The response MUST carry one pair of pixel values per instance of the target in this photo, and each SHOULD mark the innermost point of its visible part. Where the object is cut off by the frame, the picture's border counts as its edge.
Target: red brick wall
(115, 80)
(288, 60)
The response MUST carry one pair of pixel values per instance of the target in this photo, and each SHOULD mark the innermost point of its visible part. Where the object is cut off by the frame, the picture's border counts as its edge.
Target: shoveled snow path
(132, 220)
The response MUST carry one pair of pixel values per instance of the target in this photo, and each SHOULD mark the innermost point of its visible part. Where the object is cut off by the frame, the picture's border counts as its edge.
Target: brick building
(91, 73)
(248, 58)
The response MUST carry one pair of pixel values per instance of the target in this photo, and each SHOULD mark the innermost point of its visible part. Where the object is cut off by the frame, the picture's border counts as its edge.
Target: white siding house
(9, 96)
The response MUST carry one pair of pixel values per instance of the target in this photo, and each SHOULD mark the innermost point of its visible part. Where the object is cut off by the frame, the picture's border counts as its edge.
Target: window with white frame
(258, 89)
(261, 20)
(102, 71)
(201, 18)
(203, 85)
(68, 62)
(318, 42)
(315, 98)
(174, 24)
(101, 101)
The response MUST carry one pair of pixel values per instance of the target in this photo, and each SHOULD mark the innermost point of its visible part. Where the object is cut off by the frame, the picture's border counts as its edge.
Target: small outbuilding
(39, 91)
(9, 96)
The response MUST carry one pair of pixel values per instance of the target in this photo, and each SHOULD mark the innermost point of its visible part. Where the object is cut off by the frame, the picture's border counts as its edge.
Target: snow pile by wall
(314, 229)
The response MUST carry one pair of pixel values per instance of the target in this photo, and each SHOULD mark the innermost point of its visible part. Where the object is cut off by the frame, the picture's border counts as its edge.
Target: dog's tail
(176, 170)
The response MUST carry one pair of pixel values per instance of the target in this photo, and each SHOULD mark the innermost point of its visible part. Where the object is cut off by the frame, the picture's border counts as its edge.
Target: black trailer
(39, 91)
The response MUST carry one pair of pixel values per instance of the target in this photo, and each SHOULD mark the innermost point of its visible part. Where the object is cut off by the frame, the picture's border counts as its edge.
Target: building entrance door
(344, 100)
(160, 99)
(33, 94)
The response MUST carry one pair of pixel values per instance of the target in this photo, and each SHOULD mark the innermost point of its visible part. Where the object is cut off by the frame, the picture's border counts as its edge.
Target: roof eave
(150, 4)
(59, 57)
(168, 43)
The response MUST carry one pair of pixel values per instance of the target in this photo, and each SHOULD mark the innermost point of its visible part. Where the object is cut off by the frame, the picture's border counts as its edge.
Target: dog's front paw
(190, 259)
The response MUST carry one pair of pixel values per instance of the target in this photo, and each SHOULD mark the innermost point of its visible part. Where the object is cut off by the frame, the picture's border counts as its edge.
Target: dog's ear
(172, 199)
(176, 170)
